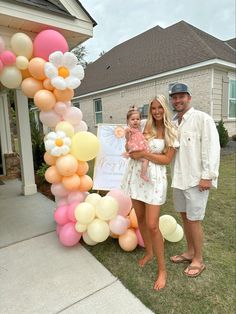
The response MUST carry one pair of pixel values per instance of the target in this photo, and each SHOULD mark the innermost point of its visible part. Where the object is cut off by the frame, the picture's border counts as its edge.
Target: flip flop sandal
(199, 269)
(180, 259)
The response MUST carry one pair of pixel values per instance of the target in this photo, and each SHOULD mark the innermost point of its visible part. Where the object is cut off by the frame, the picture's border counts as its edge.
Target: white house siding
(219, 75)
(115, 103)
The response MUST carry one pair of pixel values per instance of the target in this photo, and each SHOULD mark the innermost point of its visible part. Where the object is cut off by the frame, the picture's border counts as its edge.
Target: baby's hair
(132, 109)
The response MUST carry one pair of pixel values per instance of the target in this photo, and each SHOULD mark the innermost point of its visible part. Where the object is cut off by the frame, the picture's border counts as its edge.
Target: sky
(120, 20)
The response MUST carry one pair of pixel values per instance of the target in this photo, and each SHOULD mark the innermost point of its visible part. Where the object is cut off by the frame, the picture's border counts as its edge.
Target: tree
(80, 52)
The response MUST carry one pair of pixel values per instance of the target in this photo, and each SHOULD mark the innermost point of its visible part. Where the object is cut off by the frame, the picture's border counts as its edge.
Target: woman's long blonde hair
(170, 132)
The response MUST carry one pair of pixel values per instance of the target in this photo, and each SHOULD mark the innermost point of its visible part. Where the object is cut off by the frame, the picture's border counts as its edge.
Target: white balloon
(82, 126)
(59, 83)
(22, 62)
(22, 45)
(88, 240)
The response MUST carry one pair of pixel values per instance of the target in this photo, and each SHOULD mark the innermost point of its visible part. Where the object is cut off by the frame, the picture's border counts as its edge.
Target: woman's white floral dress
(151, 192)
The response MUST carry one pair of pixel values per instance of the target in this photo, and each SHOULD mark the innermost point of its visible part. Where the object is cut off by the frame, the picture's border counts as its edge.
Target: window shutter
(225, 97)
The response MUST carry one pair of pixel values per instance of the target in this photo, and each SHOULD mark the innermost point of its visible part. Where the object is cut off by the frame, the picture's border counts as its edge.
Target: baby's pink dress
(137, 141)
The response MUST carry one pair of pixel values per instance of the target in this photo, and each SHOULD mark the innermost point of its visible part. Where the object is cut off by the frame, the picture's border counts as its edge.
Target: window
(98, 110)
(144, 111)
(232, 98)
(76, 104)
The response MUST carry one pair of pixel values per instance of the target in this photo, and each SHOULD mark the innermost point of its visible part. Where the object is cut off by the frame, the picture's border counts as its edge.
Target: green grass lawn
(214, 290)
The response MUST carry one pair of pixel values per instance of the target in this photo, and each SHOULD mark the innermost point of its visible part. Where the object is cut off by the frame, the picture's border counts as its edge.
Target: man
(195, 171)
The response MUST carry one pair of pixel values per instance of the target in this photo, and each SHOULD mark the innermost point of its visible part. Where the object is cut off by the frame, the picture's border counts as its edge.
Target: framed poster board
(109, 164)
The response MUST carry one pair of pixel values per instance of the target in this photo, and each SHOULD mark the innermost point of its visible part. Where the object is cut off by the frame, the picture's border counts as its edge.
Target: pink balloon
(49, 118)
(82, 126)
(60, 215)
(73, 115)
(47, 42)
(68, 235)
(118, 225)
(1, 65)
(61, 201)
(75, 196)
(123, 200)
(8, 57)
(71, 211)
(58, 189)
(60, 108)
(139, 237)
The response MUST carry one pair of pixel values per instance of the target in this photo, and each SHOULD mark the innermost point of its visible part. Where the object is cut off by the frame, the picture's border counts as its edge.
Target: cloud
(121, 20)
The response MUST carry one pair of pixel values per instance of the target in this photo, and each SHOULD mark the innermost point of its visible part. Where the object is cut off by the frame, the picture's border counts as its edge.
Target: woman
(147, 197)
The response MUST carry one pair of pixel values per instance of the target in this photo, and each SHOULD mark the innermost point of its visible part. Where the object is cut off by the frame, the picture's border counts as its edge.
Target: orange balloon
(63, 95)
(67, 165)
(25, 73)
(52, 175)
(133, 219)
(86, 183)
(30, 86)
(71, 183)
(36, 68)
(83, 168)
(113, 235)
(44, 100)
(128, 240)
(49, 159)
(47, 84)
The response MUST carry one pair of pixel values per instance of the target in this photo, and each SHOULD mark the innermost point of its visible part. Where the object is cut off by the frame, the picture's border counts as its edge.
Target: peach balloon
(47, 84)
(30, 86)
(71, 183)
(86, 183)
(44, 100)
(25, 73)
(63, 95)
(49, 159)
(128, 241)
(133, 219)
(36, 68)
(67, 165)
(83, 168)
(52, 175)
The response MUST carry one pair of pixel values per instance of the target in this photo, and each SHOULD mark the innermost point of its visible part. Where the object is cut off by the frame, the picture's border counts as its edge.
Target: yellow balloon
(107, 208)
(22, 45)
(22, 62)
(80, 227)
(87, 239)
(85, 146)
(93, 198)
(167, 224)
(175, 236)
(66, 127)
(11, 77)
(98, 230)
(84, 213)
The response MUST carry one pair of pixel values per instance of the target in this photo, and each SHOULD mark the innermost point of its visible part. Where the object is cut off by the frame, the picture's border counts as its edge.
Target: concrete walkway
(39, 275)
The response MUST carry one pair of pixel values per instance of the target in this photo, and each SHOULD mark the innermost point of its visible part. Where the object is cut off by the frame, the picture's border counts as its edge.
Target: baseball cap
(179, 88)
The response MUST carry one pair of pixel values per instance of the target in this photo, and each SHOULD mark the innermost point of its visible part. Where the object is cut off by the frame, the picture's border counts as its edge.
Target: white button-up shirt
(198, 156)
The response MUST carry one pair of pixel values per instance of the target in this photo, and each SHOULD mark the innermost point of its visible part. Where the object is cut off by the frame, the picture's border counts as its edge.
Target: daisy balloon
(57, 143)
(63, 70)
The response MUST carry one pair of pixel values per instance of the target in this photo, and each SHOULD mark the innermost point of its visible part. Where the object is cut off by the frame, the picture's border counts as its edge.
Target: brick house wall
(205, 84)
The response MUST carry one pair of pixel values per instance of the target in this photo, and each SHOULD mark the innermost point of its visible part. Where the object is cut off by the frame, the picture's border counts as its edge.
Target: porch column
(25, 145)
(5, 132)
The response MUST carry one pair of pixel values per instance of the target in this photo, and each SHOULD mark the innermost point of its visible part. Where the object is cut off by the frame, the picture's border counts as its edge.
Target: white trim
(188, 68)
(211, 92)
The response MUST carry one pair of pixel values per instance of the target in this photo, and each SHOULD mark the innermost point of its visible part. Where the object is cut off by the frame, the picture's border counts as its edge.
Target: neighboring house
(31, 17)
(133, 72)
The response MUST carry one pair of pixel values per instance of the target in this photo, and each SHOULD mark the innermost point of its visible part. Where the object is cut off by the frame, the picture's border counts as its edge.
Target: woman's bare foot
(145, 259)
(160, 283)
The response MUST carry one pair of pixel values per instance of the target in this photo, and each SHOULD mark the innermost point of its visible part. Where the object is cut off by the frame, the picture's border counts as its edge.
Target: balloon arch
(48, 73)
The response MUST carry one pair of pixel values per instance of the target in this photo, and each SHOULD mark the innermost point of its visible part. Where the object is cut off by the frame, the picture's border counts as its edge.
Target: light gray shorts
(191, 201)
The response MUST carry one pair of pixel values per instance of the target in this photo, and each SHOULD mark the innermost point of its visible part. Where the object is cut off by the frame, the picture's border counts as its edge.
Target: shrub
(223, 134)
(234, 137)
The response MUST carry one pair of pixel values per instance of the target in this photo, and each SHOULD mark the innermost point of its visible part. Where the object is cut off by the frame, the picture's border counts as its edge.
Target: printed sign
(109, 164)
